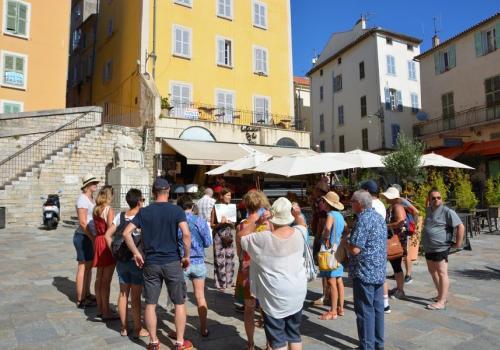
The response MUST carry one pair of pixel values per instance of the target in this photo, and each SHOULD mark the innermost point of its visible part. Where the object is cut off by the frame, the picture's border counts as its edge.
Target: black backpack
(119, 248)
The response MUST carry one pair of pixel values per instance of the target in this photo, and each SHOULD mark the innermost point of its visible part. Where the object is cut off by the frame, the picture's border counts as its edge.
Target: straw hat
(282, 212)
(334, 200)
(88, 179)
(391, 193)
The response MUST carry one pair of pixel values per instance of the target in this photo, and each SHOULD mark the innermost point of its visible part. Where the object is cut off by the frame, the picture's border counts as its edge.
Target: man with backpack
(129, 275)
(162, 261)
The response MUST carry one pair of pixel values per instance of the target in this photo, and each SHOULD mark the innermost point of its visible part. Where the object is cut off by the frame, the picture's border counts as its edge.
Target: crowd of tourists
(165, 243)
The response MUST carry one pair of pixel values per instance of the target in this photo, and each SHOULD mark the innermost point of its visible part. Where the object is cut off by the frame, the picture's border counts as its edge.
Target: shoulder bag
(326, 257)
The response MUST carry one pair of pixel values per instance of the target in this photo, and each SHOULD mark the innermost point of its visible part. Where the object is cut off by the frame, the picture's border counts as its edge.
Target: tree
(404, 163)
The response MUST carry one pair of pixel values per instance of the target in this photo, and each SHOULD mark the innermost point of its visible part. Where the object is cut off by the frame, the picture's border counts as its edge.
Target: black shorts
(437, 257)
(172, 274)
(280, 331)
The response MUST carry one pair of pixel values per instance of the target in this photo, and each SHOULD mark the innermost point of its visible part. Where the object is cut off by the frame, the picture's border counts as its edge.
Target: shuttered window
(224, 52)
(11, 107)
(225, 106)
(14, 70)
(225, 8)
(448, 105)
(181, 41)
(261, 109)
(364, 139)
(260, 60)
(260, 14)
(17, 16)
(180, 98)
(393, 100)
(412, 70)
(391, 65)
(488, 40)
(445, 60)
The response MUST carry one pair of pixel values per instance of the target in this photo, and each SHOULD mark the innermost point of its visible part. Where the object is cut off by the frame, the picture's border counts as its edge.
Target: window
(409, 47)
(339, 60)
(14, 69)
(445, 60)
(260, 14)
(224, 52)
(414, 102)
(108, 71)
(341, 143)
(225, 106)
(361, 70)
(225, 8)
(341, 115)
(260, 60)
(337, 83)
(393, 100)
(322, 146)
(188, 3)
(448, 110)
(364, 139)
(487, 41)
(321, 93)
(261, 109)
(395, 128)
(11, 106)
(181, 41)
(321, 123)
(412, 70)
(321, 72)
(388, 41)
(492, 90)
(180, 94)
(363, 106)
(391, 65)
(17, 18)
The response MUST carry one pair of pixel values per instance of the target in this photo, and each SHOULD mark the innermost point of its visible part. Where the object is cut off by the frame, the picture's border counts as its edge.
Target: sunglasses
(436, 198)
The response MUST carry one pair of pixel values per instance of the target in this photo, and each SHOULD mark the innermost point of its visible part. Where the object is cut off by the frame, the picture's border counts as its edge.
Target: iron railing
(227, 115)
(467, 118)
(19, 163)
(116, 114)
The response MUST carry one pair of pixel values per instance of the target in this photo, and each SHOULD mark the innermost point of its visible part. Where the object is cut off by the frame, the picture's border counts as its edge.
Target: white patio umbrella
(247, 162)
(361, 159)
(302, 163)
(437, 160)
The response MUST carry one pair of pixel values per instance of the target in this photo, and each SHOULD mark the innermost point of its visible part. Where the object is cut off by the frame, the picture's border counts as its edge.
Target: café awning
(218, 153)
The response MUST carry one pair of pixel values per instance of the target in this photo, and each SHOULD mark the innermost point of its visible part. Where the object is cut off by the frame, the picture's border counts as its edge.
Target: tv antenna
(436, 31)
(368, 15)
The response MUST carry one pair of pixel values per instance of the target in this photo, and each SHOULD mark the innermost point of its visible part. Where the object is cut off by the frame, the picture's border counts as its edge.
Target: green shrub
(466, 199)
(492, 194)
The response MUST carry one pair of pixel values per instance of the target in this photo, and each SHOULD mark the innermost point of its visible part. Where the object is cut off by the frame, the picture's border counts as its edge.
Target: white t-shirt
(277, 272)
(83, 202)
(379, 207)
(116, 222)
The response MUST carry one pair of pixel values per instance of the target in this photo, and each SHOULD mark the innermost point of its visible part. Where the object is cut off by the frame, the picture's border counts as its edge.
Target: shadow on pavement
(490, 274)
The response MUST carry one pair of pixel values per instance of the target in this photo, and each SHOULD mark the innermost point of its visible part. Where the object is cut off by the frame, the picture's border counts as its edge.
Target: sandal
(205, 334)
(435, 307)
(124, 332)
(141, 334)
(329, 315)
(340, 311)
(259, 323)
(83, 304)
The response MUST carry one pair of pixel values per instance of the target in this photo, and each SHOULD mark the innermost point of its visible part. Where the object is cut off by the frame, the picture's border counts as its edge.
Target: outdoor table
(467, 221)
(484, 214)
(493, 212)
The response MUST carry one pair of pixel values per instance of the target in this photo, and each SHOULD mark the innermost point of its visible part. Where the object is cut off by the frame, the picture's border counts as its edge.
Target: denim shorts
(280, 331)
(129, 273)
(172, 274)
(84, 247)
(196, 272)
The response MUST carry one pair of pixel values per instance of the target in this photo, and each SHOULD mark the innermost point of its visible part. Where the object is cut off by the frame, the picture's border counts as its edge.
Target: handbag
(341, 253)
(326, 257)
(310, 266)
(394, 248)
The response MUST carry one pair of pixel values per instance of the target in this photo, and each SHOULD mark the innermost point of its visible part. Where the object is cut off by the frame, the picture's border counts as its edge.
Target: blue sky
(312, 25)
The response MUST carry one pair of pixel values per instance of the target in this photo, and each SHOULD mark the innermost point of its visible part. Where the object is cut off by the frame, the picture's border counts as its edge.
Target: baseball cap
(160, 184)
(370, 186)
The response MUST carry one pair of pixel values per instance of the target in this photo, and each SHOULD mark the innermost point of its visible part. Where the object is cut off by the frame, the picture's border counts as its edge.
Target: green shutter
(11, 16)
(7, 108)
(22, 18)
(497, 35)
(478, 41)
(8, 64)
(452, 57)
(437, 67)
(19, 68)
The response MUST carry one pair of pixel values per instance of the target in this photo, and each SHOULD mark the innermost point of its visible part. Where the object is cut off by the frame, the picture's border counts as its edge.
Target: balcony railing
(471, 117)
(206, 112)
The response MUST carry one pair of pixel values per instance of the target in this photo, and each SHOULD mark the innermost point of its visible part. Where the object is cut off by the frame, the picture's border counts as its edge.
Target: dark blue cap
(370, 186)
(160, 184)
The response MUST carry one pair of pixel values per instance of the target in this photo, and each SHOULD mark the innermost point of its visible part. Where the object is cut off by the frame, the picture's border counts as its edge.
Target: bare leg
(408, 266)
(340, 289)
(97, 288)
(87, 278)
(122, 307)
(135, 291)
(332, 285)
(432, 268)
(248, 316)
(80, 281)
(294, 346)
(107, 275)
(400, 280)
(444, 283)
(201, 302)
(150, 319)
(180, 322)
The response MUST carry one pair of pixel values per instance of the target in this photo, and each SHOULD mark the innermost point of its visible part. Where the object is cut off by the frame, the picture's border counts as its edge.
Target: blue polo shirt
(159, 222)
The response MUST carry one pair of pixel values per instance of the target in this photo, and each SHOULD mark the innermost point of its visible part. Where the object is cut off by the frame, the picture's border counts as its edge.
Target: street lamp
(380, 115)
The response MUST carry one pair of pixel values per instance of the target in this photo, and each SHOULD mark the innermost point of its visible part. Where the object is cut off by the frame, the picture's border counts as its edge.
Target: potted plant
(165, 105)
(466, 199)
(492, 195)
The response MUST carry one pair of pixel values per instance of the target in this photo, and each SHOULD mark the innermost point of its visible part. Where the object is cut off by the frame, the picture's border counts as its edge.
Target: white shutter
(178, 41)
(22, 18)
(186, 43)
(263, 15)
(258, 60)
(220, 51)
(264, 61)
(12, 16)
(256, 11)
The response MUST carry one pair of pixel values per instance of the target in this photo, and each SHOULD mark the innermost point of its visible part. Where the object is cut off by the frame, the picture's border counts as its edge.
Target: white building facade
(365, 90)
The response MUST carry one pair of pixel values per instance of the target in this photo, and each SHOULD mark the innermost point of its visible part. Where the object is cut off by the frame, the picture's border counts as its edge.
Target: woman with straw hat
(83, 240)
(332, 234)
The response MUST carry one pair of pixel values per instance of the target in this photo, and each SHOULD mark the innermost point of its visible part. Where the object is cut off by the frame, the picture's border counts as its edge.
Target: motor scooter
(50, 212)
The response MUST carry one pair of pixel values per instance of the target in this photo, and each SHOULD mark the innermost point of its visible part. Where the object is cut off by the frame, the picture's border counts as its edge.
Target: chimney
(361, 23)
(435, 40)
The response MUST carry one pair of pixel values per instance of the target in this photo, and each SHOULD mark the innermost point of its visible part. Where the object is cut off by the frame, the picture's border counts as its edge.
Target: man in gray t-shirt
(439, 222)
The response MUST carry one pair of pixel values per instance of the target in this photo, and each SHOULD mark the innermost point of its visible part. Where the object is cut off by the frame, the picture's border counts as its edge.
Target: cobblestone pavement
(37, 309)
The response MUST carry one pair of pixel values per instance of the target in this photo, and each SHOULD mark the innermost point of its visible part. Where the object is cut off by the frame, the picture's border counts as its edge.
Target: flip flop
(143, 333)
(329, 315)
(433, 307)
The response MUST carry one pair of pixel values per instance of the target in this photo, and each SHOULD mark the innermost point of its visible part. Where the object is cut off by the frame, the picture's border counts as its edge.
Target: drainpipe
(153, 53)
(94, 44)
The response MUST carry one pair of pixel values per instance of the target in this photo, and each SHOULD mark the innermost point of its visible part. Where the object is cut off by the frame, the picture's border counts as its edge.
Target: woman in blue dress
(332, 234)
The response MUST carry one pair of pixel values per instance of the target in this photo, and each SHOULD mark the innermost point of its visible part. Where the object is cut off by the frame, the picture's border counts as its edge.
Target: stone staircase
(61, 174)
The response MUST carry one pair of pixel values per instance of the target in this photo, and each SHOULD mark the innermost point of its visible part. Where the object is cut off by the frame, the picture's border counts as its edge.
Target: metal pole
(153, 54)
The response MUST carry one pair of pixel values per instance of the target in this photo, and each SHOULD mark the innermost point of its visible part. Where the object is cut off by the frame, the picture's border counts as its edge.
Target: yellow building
(33, 54)
(221, 60)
